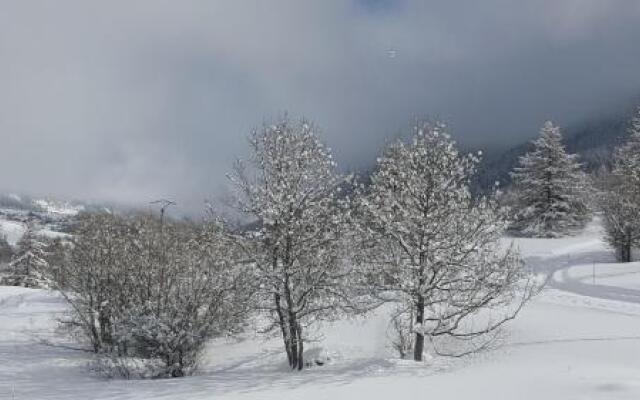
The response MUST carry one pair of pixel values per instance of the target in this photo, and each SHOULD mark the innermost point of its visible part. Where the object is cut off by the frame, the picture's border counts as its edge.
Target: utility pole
(164, 204)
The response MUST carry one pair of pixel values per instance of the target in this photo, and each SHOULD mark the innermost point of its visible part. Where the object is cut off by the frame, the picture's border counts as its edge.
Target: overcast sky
(139, 99)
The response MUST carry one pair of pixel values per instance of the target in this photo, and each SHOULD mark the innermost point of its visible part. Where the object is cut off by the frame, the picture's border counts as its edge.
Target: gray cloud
(139, 99)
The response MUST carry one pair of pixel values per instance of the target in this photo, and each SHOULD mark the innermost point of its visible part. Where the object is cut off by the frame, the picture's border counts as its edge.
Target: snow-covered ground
(610, 274)
(57, 207)
(12, 230)
(579, 339)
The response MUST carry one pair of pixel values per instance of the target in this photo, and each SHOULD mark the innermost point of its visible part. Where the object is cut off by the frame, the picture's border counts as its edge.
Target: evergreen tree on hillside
(620, 200)
(28, 265)
(549, 188)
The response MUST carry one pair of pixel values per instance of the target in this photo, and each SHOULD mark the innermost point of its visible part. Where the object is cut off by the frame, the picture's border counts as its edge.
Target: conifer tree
(549, 188)
(28, 266)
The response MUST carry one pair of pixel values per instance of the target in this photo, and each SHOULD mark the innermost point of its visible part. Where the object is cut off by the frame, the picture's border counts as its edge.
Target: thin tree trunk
(292, 322)
(626, 252)
(283, 328)
(105, 330)
(282, 321)
(293, 341)
(419, 345)
(300, 348)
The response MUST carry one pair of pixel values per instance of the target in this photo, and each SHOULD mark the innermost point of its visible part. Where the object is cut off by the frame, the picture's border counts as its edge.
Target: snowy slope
(12, 230)
(58, 207)
(570, 343)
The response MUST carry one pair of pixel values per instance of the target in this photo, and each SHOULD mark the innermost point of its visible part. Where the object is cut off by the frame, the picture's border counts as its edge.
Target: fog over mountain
(134, 100)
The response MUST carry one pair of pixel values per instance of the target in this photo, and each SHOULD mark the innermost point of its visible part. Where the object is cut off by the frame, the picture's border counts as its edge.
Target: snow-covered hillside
(579, 339)
(48, 217)
(57, 207)
(12, 230)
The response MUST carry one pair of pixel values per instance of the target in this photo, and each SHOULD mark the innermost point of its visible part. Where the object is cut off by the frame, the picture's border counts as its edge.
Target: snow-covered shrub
(123, 367)
(151, 289)
(205, 298)
(549, 189)
(429, 245)
(97, 278)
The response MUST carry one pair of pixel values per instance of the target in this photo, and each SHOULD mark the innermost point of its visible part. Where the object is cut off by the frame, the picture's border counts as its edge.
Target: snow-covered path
(584, 286)
(576, 340)
(585, 266)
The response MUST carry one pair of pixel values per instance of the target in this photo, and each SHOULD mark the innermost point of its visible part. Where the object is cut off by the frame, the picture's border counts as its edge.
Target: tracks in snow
(558, 269)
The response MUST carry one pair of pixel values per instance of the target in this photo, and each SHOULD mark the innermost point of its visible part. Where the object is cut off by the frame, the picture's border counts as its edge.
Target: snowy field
(579, 339)
(12, 230)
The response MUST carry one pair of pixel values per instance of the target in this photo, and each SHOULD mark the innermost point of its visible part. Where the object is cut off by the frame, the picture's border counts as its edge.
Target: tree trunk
(105, 331)
(283, 328)
(295, 341)
(419, 345)
(625, 252)
(95, 335)
(300, 348)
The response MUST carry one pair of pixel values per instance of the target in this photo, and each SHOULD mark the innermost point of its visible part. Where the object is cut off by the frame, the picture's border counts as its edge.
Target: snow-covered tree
(430, 246)
(549, 189)
(289, 191)
(620, 199)
(57, 251)
(627, 156)
(28, 266)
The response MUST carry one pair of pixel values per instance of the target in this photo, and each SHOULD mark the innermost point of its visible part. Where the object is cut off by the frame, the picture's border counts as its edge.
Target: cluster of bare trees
(315, 246)
(144, 288)
(415, 236)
